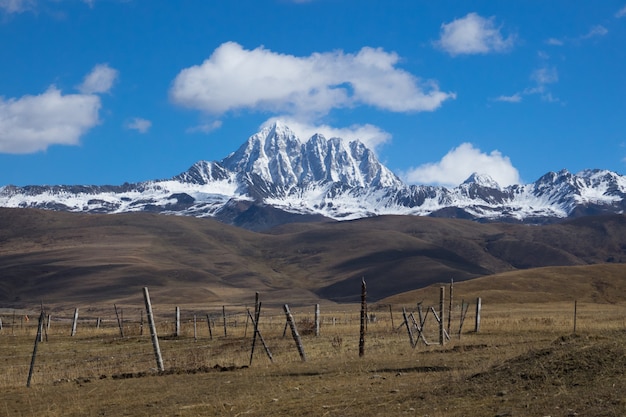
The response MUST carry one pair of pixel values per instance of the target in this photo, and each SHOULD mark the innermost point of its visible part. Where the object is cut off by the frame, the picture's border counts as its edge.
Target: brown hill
(602, 283)
(86, 258)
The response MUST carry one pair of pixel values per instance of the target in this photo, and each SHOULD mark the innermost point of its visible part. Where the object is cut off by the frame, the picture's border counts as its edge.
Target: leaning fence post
(32, 360)
(208, 322)
(74, 321)
(442, 292)
(257, 332)
(119, 321)
(479, 303)
(464, 308)
(153, 330)
(408, 328)
(363, 318)
(294, 333)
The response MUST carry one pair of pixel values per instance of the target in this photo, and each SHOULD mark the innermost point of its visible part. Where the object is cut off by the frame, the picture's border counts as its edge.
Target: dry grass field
(524, 361)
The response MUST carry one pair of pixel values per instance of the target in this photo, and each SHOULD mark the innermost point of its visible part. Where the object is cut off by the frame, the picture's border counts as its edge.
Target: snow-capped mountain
(276, 175)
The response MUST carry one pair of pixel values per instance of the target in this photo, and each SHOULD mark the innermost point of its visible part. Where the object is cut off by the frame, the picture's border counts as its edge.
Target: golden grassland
(524, 361)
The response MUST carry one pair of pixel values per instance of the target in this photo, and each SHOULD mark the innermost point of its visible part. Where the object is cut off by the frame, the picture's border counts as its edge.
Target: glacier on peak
(333, 178)
(483, 180)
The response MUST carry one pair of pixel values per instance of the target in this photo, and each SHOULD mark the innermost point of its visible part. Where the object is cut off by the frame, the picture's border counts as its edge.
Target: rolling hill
(69, 258)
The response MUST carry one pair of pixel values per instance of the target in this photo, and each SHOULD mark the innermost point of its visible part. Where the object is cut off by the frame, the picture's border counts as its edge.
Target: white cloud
(99, 80)
(473, 34)
(370, 135)
(621, 12)
(205, 127)
(545, 75)
(139, 124)
(234, 78)
(515, 98)
(595, 31)
(32, 123)
(542, 77)
(461, 162)
(17, 6)
(555, 42)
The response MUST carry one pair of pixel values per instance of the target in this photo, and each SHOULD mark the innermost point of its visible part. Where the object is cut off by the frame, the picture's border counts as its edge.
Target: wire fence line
(222, 336)
(75, 347)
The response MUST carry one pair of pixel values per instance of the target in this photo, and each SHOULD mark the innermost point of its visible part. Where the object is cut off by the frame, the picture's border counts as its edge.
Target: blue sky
(113, 91)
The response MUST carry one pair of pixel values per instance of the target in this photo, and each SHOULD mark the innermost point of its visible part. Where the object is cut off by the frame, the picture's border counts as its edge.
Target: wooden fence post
(257, 332)
(195, 328)
(408, 328)
(464, 308)
(450, 304)
(391, 315)
(153, 330)
(478, 308)
(37, 338)
(363, 318)
(420, 329)
(177, 324)
(439, 321)
(442, 292)
(74, 321)
(294, 333)
(208, 322)
(119, 322)
(245, 329)
(317, 320)
(224, 318)
(575, 313)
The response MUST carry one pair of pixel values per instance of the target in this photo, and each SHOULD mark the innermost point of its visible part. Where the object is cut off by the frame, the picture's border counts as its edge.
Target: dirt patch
(575, 375)
(418, 369)
(173, 371)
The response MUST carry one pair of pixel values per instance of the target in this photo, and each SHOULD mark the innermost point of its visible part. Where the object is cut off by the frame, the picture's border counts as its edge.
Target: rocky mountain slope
(275, 177)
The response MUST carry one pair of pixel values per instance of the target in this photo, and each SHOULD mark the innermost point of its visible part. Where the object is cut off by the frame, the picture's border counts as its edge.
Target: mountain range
(276, 178)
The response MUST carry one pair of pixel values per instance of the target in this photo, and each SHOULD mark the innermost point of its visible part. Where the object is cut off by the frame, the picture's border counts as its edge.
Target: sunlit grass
(98, 371)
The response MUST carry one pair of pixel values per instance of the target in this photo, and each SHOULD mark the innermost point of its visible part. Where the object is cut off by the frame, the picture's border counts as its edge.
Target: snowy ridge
(333, 178)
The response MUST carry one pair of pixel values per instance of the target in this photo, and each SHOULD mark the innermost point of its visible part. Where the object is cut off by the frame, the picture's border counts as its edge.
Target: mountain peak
(484, 180)
(334, 178)
(277, 128)
(282, 161)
